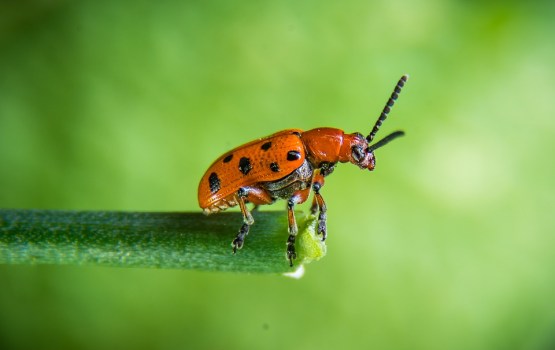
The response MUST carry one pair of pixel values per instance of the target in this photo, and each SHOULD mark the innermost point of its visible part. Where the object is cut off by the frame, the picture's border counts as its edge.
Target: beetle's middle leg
(297, 198)
(319, 205)
(255, 196)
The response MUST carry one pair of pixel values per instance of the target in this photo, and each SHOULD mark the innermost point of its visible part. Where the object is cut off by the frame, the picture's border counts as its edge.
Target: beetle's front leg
(319, 205)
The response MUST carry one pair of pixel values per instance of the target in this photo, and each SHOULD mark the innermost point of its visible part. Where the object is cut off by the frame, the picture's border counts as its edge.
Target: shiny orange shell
(267, 159)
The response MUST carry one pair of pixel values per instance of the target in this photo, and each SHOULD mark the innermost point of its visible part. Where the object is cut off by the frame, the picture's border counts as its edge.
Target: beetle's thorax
(323, 145)
(330, 145)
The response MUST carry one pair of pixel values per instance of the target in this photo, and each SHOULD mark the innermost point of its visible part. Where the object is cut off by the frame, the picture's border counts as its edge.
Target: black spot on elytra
(266, 146)
(245, 165)
(296, 133)
(274, 167)
(214, 182)
(293, 155)
(228, 158)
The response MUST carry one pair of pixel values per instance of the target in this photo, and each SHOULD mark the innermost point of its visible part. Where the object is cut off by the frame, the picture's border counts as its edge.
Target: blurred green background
(449, 244)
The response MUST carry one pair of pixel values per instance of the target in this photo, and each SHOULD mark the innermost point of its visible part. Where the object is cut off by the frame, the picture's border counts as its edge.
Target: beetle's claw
(237, 244)
(322, 230)
(291, 255)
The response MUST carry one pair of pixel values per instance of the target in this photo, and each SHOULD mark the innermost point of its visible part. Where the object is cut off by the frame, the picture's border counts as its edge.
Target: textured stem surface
(154, 240)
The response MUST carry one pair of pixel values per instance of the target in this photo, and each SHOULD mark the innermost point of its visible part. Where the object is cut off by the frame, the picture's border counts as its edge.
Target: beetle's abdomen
(264, 160)
(220, 205)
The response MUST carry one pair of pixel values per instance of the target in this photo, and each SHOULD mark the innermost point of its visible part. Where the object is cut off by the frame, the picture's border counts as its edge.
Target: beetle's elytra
(288, 165)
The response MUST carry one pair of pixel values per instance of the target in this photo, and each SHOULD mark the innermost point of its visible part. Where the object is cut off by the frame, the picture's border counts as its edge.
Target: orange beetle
(287, 165)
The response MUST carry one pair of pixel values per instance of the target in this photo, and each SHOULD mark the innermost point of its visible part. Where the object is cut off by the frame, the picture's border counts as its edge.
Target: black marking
(266, 146)
(214, 182)
(296, 133)
(245, 165)
(293, 155)
(228, 158)
(274, 167)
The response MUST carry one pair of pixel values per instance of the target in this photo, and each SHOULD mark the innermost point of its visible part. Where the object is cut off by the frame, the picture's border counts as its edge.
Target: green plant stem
(153, 240)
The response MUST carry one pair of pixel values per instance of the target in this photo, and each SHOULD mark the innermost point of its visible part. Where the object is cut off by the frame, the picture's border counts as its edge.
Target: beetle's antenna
(385, 141)
(387, 108)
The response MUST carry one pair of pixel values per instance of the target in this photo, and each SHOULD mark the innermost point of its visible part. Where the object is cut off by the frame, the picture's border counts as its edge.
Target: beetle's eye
(357, 153)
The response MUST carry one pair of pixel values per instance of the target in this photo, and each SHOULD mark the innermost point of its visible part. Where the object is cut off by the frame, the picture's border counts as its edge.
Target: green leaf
(154, 240)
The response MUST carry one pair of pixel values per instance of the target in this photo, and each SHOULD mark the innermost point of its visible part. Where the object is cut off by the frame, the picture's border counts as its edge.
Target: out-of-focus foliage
(120, 105)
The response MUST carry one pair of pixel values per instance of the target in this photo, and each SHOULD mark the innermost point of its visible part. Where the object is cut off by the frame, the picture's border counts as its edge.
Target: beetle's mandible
(288, 165)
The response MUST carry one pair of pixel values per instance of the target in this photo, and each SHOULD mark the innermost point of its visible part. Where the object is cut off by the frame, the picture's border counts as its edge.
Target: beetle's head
(362, 154)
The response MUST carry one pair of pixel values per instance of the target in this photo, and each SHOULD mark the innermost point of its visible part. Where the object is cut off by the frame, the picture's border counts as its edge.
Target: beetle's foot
(240, 239)
(291, 254)
(322, 228)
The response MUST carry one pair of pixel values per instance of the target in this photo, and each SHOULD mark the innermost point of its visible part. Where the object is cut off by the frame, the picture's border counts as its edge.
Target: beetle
(288, 165)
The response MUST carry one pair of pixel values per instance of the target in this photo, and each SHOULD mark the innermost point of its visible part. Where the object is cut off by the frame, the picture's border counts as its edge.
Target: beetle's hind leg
(247, 221)
(256, 196)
